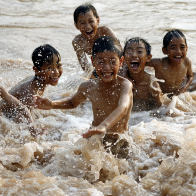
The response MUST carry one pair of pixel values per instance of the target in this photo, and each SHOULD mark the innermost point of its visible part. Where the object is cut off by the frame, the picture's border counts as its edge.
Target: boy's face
(50, 72)
(136, 57)
(176, 50)
(107, 65)
(87, 24)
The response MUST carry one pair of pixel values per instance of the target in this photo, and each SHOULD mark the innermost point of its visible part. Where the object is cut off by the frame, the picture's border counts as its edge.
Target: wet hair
(106, 43)
(83, 9)
(170, 34)
(138, 40)
(44, 54)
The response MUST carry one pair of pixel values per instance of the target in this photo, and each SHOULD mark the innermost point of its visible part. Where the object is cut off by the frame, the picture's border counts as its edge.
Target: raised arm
(66, 103)
(81, 55)
(125, 102)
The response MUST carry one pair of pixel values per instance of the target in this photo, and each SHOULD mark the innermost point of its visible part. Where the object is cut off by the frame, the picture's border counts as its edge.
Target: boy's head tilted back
(106, 43)
(170, 34)
(44, 54)
(83, 9)
(138, 40)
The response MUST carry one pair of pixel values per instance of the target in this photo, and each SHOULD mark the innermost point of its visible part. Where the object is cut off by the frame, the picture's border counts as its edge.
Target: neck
(107, 85)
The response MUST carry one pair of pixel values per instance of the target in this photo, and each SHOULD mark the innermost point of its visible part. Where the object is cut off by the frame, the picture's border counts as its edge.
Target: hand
(94, 131)
(42, 103)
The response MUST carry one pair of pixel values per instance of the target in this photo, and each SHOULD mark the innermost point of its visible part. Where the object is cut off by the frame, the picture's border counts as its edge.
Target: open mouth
(178, 58)
(54, 79)
(89, 32)
(135, 65)
(107, 75)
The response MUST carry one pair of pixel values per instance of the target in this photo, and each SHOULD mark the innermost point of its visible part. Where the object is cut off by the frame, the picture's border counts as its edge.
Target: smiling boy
(110, 94)
(86, 20)
(175, 69)
(48, 69)
(147, 94)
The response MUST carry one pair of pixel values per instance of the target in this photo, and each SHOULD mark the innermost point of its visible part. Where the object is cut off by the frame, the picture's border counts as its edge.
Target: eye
(49, 68)
(113, 62)
(140, 52)
(59, 65)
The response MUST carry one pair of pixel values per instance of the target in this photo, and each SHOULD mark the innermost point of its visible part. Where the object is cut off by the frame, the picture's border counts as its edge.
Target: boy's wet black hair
(44, 54)
(170, 34)
(106, 43)
(138, 40)
(83, 9)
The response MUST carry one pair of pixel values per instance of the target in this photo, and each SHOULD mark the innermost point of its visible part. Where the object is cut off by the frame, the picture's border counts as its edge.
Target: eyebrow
(136, 47)
(176, 44)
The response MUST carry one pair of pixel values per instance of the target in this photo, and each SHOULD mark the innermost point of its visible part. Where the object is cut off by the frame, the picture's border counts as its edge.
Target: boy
(86, 20)
(175, 69)
(110, 94)
(147, 94)
(48, 69)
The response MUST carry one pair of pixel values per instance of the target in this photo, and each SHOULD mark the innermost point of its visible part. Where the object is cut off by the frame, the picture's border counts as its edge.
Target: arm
(154, 63)
(157, 93)
(125, 101)
(22, 111)
(66, 103)
(81, 55)
(189, 78)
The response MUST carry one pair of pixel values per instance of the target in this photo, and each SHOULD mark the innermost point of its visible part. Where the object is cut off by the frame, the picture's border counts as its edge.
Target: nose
(87, 26)
(178, 50)
(107, 66)
(134, 53)
(55, 72)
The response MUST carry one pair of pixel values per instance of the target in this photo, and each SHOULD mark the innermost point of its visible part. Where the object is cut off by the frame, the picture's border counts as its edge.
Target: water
(163, 145)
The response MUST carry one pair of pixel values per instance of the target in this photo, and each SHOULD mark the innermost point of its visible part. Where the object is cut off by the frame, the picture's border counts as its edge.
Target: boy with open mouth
(86, 20)
(147, 94)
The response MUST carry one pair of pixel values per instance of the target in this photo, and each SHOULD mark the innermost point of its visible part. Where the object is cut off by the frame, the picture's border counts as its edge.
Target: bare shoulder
(187, 62)
(125, 82)
(88, 85)
(22, 86)
(104, 30)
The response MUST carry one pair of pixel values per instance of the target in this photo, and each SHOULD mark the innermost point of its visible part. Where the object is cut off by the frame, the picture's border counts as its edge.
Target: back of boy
(110, 94)
(147, 94)
(175, 69)
(48, 69)
(86, 20)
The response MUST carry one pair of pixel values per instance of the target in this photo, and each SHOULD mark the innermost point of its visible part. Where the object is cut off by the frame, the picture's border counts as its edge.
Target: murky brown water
(162, 159)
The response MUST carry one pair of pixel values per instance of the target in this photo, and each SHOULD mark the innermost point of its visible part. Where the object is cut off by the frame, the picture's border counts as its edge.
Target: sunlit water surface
(162, 158)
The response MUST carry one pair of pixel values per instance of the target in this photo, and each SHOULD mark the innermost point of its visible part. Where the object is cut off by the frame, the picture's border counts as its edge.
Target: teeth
(107, 74)
(178, 56)
(134, 61)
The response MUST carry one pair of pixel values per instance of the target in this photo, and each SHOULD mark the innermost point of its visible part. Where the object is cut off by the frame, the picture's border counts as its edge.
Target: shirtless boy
(110, 94)
(175, 69)
(86, 20)
(147, 94)
(48, 69)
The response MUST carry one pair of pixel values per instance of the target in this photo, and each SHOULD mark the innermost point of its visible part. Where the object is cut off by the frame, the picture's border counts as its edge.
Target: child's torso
(174, 76)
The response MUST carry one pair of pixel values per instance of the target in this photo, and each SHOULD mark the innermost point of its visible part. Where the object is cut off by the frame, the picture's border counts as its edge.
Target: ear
(164, 50)
(98, 21)
(92, 60)
(76, 25)
(36, 70)
(148, 58)
(121, 61)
